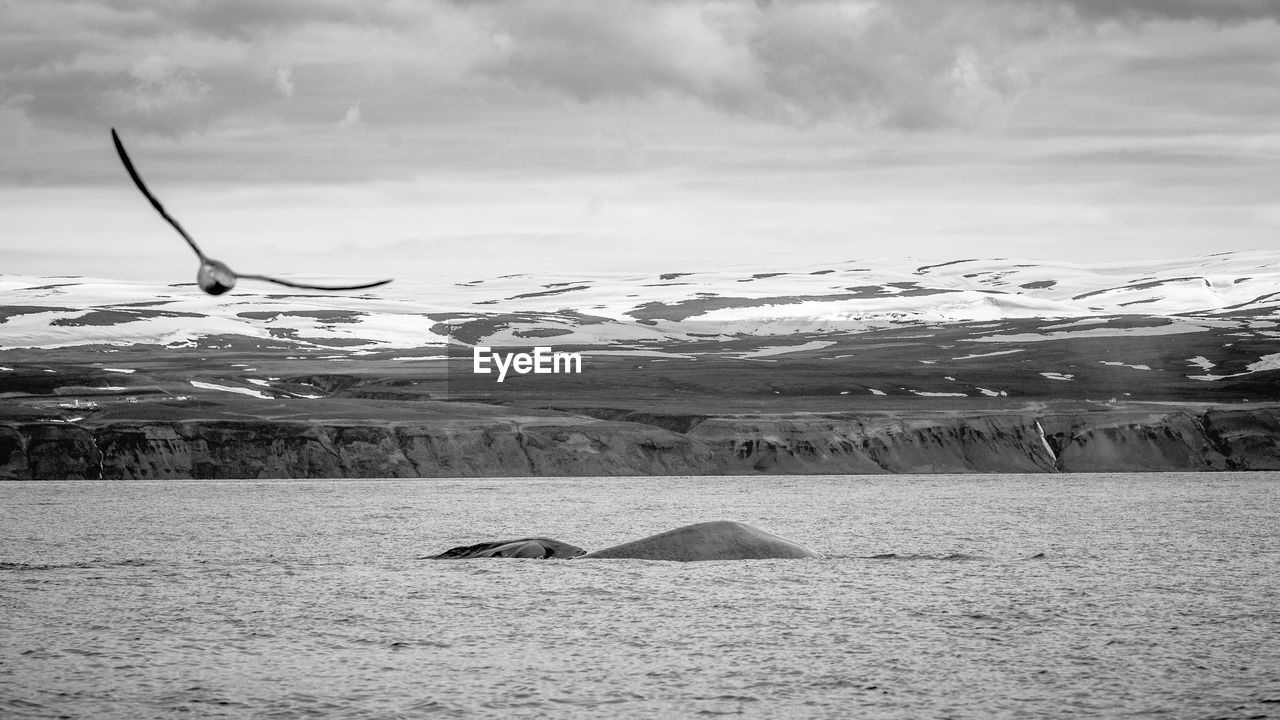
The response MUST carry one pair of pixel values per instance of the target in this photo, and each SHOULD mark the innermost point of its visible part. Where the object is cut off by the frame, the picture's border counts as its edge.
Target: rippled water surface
(1155, 596)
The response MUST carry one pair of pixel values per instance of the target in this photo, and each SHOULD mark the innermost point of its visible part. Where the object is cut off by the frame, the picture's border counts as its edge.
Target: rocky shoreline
(1224, 438)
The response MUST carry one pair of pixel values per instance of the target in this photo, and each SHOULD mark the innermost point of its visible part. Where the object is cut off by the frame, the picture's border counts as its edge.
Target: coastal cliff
(645, 444)
(257, 449)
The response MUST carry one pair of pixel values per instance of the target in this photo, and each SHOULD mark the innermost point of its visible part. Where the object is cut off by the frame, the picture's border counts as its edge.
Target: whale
(712, 540)
(537, 548)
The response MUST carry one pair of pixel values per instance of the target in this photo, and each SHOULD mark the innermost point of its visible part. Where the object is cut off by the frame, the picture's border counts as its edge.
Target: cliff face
(204, 449)
(878, 445)
(1243, 439)
(48, 451)
(1134, 442)
(1250, 439)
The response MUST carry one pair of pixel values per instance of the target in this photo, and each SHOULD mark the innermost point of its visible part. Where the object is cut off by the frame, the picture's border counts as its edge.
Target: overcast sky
(471, 139)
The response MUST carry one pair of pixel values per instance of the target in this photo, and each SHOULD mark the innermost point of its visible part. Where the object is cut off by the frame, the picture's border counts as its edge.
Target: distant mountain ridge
(634, 310)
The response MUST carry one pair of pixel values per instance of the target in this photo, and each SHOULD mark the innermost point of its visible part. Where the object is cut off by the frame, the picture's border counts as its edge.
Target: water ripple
(1151, 596)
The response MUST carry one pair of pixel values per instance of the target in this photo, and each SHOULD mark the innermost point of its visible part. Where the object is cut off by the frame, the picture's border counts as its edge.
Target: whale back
(714, 540)
(539, 548)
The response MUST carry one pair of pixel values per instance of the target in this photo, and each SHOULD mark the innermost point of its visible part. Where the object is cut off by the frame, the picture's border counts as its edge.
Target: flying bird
(214, 277)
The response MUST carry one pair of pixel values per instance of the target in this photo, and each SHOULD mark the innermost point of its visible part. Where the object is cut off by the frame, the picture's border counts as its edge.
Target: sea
(941, 596)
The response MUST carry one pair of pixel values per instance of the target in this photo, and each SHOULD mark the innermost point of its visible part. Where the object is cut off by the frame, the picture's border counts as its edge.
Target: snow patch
(1177, 328)
(415, 359)
(1057, 376)
(1045, 441)
(240, 391)
(783, 349)
(1117, 363)
(990, 354)
(1266, 362)
(1202, 362)
(1078, 323)
(637, 353)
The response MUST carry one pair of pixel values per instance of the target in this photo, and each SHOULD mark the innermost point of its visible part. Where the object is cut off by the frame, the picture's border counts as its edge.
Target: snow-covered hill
(631, 311)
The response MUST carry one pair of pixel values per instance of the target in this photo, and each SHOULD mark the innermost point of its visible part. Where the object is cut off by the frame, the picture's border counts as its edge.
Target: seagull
(214, 277)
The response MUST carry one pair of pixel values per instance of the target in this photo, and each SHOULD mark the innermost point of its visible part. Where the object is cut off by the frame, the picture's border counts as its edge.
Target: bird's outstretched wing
(291, 284)
(137, 180)
(228, 281)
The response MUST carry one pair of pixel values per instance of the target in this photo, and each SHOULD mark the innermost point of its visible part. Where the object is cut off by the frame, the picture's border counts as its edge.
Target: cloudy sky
(471, 139)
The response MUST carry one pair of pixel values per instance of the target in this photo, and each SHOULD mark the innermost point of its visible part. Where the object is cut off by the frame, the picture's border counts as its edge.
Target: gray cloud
(1218, 11)
(904, 64)
(175, 68)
